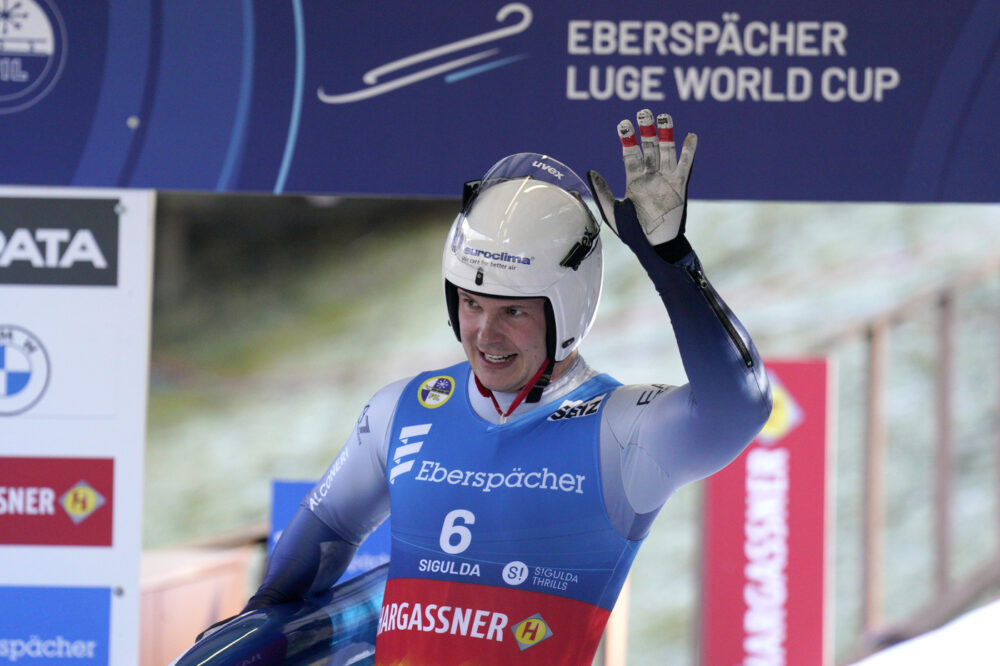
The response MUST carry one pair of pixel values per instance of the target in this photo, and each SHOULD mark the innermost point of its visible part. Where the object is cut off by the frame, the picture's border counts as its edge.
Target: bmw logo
(24, 370)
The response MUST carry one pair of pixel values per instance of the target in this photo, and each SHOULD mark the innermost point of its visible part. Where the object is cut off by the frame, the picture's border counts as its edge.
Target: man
(521, 482)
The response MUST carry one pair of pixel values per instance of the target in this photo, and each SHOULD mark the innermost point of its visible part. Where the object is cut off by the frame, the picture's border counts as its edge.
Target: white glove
(656, 181)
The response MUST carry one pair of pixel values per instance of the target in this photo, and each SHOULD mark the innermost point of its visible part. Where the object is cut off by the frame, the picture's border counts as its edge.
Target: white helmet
(529, 228)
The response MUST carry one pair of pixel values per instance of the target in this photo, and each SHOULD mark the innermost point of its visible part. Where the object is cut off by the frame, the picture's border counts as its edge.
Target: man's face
(503, 338)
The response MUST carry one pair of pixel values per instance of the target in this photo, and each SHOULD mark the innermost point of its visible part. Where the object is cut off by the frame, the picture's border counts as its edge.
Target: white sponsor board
(75, 296)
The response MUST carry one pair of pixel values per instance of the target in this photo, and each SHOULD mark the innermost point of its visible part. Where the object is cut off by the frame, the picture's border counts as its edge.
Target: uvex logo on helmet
(548, 169)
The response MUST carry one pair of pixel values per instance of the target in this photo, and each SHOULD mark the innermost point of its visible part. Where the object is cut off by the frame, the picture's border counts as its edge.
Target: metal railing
(949, 595)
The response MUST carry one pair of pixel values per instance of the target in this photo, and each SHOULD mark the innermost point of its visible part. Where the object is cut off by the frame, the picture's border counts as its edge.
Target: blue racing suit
(510, 541)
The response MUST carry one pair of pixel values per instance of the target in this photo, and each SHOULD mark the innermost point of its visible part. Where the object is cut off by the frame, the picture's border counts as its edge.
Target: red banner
(479, 624)
(56, 501)
(766, 534)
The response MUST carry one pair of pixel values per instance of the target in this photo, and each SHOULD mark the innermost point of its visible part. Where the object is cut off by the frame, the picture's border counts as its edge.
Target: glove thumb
(605, 198)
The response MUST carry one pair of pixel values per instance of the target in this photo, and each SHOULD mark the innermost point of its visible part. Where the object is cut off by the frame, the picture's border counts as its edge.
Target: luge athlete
(521, 481)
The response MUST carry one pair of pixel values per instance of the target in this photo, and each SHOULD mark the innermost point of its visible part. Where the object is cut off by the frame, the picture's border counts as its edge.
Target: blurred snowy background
(275, 318)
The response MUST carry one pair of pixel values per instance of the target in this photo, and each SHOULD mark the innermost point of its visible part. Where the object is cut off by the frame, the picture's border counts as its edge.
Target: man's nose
(490, 330)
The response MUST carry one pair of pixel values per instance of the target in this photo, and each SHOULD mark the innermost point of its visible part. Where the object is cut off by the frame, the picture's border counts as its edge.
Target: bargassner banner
(766, 579)
(75, 289)
(850, 101)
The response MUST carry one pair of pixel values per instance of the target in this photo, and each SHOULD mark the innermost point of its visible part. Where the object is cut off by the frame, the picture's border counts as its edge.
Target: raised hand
(656, 181)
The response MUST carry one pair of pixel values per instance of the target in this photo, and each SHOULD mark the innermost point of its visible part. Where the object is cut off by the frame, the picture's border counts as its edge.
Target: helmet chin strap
(532, 391)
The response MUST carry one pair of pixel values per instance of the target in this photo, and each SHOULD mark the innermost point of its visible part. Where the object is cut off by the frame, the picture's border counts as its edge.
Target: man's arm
(308, 558)
(662, 438)
(671, 437)
(341, 510)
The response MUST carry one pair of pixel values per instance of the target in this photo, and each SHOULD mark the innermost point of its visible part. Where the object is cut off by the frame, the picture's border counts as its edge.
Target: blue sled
(336, 627)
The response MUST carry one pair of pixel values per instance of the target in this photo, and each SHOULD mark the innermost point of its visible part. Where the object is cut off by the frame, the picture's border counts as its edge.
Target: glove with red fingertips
(656, 180)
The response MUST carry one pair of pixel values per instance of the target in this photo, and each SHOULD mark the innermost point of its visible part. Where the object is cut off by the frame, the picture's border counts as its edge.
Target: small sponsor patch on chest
(574, 408)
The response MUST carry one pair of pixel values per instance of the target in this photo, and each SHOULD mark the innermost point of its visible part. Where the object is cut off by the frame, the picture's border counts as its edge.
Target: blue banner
(792, 99)
(53, 625)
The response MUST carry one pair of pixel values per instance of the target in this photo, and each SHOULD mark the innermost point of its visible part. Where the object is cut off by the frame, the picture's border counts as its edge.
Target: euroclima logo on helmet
(496, 256)
(32, 52)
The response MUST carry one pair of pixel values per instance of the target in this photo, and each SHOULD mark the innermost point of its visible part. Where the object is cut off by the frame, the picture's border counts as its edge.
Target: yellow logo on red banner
(785, 414)
(80, 501)
(531, 632)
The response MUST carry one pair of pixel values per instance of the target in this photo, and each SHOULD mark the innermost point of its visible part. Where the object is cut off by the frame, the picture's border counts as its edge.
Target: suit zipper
(701, 281)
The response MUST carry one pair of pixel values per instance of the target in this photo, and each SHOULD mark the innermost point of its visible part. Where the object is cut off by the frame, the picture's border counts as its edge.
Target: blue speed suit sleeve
(349, 502)
(701, 427)
(308, 558)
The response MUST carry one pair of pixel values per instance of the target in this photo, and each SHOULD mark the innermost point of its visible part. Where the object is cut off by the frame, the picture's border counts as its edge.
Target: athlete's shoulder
(451, 375)
(432, 388)
(640, 395)
(372, 427)
(428, 388)
(389, 394)
(629, 402)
